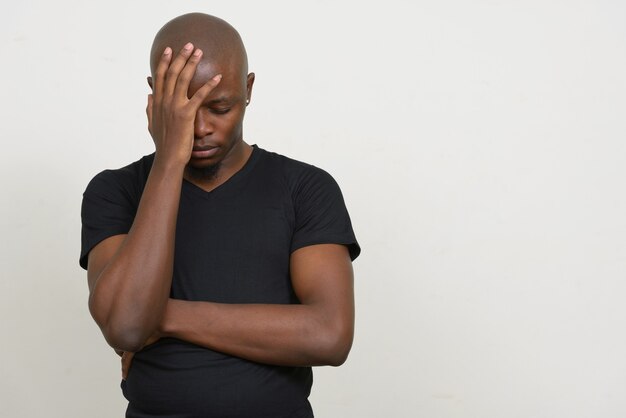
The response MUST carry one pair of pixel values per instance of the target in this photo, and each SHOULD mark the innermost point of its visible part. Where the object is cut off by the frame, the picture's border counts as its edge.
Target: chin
(205, 169)
(200, 163)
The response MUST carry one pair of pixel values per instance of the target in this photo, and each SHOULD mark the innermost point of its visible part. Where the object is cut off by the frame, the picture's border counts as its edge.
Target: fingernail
(167, 51)
(188, 46)
(197, 52)
(217, 77)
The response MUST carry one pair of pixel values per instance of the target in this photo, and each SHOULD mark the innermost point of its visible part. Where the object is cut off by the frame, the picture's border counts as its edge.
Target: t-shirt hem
(353, 247)
(84, 258)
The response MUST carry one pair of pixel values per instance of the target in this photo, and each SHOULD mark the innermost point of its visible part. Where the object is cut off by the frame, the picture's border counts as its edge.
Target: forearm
(130, 294)
(286, 335)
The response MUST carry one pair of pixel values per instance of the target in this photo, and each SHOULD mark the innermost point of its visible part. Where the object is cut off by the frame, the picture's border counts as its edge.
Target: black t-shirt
(232, 246)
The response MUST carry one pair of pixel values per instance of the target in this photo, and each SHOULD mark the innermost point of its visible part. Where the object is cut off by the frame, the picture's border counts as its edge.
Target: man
(225, 268)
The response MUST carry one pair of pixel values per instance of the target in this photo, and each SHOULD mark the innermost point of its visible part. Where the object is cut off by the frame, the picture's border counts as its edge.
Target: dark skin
(195, 116)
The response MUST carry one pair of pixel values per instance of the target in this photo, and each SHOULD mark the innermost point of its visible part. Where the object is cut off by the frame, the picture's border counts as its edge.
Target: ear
(249, 84)
(150, 82)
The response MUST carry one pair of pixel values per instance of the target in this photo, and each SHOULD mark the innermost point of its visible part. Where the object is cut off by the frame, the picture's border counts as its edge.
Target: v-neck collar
(232, 180)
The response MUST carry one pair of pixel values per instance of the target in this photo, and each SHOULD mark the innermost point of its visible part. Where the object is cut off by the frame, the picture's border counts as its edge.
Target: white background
(481, 149)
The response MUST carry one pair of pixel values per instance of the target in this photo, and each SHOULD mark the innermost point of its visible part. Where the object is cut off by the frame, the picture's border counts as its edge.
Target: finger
(187, 73)
(124, 369)
(175, 68)
(127, 359)
(161, 70)
(149, 112)
(199, 96)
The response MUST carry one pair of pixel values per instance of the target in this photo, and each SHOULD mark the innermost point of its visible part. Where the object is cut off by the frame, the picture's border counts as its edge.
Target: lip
(204, 152)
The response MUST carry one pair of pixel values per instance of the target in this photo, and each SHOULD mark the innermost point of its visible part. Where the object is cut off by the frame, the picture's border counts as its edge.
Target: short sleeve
(321, 216)
(107, 210)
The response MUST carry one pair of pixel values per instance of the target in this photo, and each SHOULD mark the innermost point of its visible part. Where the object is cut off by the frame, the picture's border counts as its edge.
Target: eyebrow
(219, 100)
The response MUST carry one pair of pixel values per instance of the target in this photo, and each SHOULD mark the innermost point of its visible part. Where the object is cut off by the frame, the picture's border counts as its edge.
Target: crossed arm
(130, 275)
(318, 331)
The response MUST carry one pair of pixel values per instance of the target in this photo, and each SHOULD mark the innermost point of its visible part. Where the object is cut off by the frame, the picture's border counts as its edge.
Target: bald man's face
(218, 125)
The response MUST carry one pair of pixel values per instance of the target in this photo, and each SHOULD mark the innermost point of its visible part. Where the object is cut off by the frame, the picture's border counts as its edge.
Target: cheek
(232, 125)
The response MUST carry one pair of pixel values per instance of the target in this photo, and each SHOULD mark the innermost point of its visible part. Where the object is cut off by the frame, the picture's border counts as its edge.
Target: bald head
(222, 47)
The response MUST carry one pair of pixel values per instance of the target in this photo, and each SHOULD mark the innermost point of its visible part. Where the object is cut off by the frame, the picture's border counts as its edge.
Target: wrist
(172, 316)
(168, 166)
(165, 326)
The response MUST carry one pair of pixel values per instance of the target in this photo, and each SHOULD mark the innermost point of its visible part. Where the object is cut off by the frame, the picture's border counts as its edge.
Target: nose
(202, 125)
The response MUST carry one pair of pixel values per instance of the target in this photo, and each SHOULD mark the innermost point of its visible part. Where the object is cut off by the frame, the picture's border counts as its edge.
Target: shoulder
(110, 202)
(297, 174)
(129, 179)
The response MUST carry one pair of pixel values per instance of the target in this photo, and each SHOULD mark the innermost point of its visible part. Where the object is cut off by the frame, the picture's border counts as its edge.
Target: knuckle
(184, 78)
(171, 71)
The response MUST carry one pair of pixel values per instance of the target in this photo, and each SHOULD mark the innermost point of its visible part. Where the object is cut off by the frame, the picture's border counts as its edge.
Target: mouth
(204, 152)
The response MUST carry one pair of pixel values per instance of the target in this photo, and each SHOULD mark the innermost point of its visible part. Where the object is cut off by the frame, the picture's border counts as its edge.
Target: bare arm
(318, 331)
(130, 275)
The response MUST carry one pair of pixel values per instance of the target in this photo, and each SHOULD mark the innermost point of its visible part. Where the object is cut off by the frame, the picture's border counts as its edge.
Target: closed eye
(220, 111)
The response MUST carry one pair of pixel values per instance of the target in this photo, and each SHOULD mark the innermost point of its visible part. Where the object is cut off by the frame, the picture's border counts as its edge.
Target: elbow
(339, 353)
(124, 340)
(123, 336)
(335, 346)
(120, 335)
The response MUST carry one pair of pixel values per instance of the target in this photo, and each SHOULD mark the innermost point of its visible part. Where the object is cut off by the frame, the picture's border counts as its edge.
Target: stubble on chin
(206, 173)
